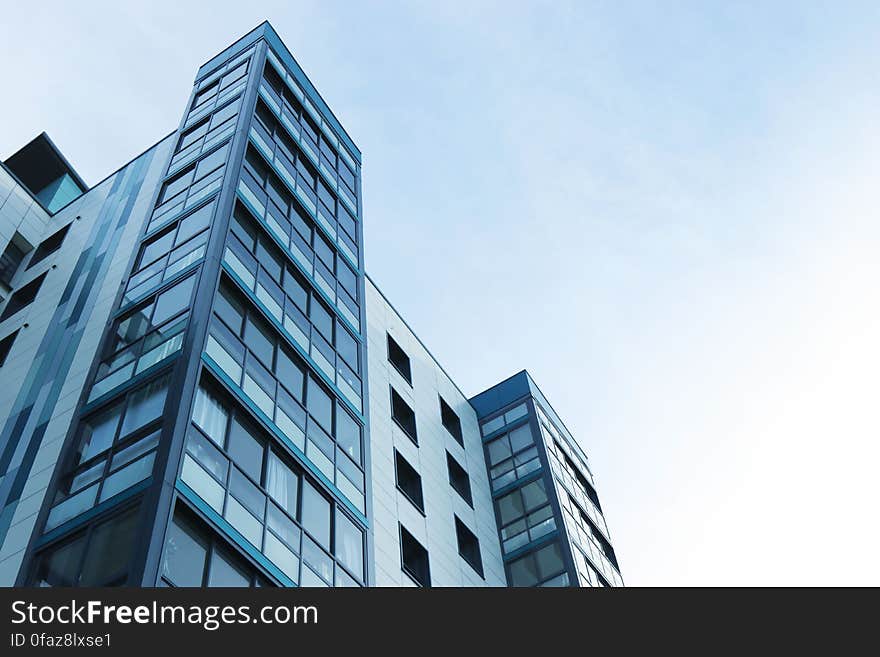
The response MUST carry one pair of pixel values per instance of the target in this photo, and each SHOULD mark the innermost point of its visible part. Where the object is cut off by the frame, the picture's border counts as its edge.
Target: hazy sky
(665, 211)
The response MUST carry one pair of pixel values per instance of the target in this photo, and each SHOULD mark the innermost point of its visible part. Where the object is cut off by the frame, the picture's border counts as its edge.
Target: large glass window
(512, 456)
(194, 557)
(537, 567)
(96, 556)
(246, 476)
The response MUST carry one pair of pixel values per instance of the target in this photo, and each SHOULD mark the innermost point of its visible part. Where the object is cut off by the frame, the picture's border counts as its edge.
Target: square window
(397, 357)
(458, 479)
(451, 421)
(404, 416)
(22, 297)
(414, 558)
(48, 246)
(6, 346)
(468, 546)
(409, 482)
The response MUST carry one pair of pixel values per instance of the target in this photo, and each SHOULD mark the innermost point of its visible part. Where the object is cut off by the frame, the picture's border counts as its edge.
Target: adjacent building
(202, 387)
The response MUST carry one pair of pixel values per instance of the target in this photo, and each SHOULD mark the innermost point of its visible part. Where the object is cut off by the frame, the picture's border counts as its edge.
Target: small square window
(404, 416)
(409, 482)
(468, 546)
(49, 246)
(6, 346)
(458, 479)
(414, 558)
(22, 297)
(450, 421)
(397, 357)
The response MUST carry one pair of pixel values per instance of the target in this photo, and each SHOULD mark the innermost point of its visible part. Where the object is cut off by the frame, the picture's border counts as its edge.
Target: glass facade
(550, 523)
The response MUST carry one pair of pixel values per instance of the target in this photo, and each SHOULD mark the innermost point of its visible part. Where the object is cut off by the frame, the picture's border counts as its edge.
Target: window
(525, 515)
(249, 479)
(414, 558)
(349, 545)
(468, 546)
(245, 448)
(512, 456)
(97, 556)
(144, 406)
(316, 514)
(195, 557)
(348, 434)
(6, 346)
(22, 297)
(458, 479)
(48, 246)
(319, 404)
(408, 481)
(176, 185)
(450, 421)
(398, 358)
(173, 301)
(537, 567)
(11, 258)
(404, 416)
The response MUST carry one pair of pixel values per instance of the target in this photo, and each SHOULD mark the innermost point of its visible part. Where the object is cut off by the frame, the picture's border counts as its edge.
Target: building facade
(203, 388)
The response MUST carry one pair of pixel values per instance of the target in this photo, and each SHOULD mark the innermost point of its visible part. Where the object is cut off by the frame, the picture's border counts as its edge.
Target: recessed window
(468, 546)
(451, 421)
(22, 297)
(414, 558)
(404, 416)
(11, 258)
(397, 357)
(408, 481)
(49, 246)
(458, 479)
(6, 346)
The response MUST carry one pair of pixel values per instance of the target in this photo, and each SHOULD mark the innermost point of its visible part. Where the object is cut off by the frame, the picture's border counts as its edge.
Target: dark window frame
(14, 304)
(6, 345)
(450, 417)
(48, 246)
(455, 479)
(423, 579)
(462, 531)
(419, 503)
(411, 432)
(405, 372)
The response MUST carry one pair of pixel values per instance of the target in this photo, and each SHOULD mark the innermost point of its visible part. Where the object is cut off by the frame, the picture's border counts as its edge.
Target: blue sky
(665, 211)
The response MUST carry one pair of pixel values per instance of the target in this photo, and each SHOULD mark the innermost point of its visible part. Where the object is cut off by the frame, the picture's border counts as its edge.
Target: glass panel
(99, 432)
(316, 514)
(210, 416)
(282, 483)
(109, 551)
(349, 545)
(172, 301)
(499, 449)
(145, 405)
(245, 448)
(224, 572)
(319, 404)
(184, 559)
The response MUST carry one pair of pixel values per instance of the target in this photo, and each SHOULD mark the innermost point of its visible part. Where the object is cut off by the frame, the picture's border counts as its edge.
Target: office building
(202, 387)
